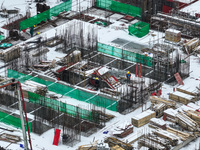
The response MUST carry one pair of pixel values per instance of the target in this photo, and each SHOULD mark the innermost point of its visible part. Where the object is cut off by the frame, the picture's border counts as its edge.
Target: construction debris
(123, 130)
(10, 138)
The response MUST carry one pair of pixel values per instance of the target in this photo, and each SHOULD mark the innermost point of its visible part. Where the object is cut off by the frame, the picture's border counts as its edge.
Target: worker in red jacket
(128, 76)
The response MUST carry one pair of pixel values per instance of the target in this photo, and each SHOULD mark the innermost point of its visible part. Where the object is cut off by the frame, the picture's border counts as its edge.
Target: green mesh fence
(119, 7)
(139, 29)
(2, 37)
(54, 11)
(58, 105)
(67, 91)
(124, 54)
(13, 121)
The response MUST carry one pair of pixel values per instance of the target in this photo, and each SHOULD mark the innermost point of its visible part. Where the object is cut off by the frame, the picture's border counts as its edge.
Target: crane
(22, 108)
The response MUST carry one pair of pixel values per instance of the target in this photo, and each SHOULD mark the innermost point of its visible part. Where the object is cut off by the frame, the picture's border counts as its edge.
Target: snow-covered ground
(106, 35)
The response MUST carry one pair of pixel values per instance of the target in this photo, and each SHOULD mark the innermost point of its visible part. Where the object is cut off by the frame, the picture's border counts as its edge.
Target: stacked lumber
(167, 135)
(116, 147)
(188, 90)
(159, 109)
(170, 115)
(173, 35)
(123, 130)
(183, 135)
(157, 100)
(186, 122)
(194, 115)
(150, 144)
(182, 97)
(143, 118)
(158, 123)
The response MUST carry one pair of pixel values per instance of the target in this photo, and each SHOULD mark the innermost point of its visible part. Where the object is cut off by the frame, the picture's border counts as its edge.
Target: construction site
(99, 75)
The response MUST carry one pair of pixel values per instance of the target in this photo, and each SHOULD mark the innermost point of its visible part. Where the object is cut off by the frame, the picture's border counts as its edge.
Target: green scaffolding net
(13, 121)
(67, 91)
(60, 106)
(124, 54)
(2, 37)
(119, 7)
(139, 29)
(54, 11)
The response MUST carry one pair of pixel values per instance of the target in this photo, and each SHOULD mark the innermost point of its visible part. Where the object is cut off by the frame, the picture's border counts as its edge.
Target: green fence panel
(139, 29)
(17, 75)
(60, 106)
(125, 54)
(54, 11)
(119, 7)
(59, 88)
(65, 90)
(41, 81)
(13, 121)
(2, 37)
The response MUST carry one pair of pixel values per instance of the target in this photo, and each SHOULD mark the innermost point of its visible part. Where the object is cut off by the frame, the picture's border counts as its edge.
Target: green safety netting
(2, 37)
(13, 121)
(124, 54)
(67, 91)
(119, 7)
(139, 29)
(58, 105)
(54, 11)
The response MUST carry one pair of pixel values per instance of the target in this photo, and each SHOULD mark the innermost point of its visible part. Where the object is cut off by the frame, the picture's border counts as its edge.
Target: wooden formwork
(143, 118)
(182, 98)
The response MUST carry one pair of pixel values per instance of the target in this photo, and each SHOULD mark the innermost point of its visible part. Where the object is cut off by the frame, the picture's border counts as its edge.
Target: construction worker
(97, 83)
(128, 76)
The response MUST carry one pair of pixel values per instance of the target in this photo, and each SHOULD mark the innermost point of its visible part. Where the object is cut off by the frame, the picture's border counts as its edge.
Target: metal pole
(22, 118)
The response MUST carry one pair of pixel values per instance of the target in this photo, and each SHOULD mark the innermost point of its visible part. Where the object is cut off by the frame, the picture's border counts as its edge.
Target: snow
(173, 31)
(158, 121)
(181, 94)
(192, 9)
(106, 35)
(103, 70)
(171, 112)
(185, 1)
(143, 114)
